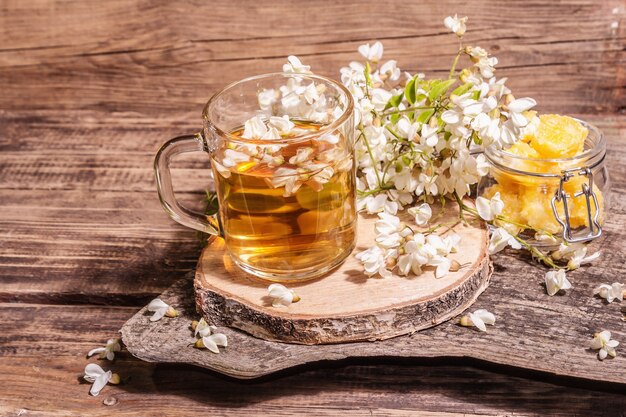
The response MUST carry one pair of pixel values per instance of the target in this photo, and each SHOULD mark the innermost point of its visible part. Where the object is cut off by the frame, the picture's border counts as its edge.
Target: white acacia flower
(232, 158)
(285, 177)
(482, 165)
(203, 329)
(374, 262)
(267, 98)
(379, 203)
(488, 209)
(422, 214)
(282, 124)
(451, 243)
(556, 281)
(579, 257)
(281, 295)
(429, 135)
(295, 66)
(390, 230)
(212, 341)
(500, 239)
(566, 250)
(405, 180)
(478, 318)
(391, 70)
(442, 265)
(372, 53)
(388, 223)
(486, 66)
(310, 94)
(427, 185)
(160, 309)
(417, 253)
(254, 128)
(380, 97)
(456, 24)
(602, 341)
(519, 106)
(302, 155)
(99, 378)
(611, 292)
(108, 351)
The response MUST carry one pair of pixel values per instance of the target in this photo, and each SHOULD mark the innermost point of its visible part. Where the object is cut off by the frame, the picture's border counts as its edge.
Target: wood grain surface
(88, 92)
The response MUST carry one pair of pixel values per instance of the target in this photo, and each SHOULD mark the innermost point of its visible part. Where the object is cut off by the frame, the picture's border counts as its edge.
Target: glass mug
(281, 148)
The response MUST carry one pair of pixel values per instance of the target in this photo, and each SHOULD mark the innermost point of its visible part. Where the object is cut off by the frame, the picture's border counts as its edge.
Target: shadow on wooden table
(384, 383)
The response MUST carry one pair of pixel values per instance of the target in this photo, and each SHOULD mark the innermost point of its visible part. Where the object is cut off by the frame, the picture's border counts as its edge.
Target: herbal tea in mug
(282, 156)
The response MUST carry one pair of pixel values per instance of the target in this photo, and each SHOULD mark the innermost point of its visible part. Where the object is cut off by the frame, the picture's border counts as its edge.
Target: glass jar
(550, 201)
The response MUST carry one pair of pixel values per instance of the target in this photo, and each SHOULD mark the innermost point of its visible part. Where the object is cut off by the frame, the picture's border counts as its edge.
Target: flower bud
(454, 266)
(390, 263)
(171, 312)
(465, 74)
(199, 344)
(115, 379)
(465, 321)
(296, 298)
(194, 325)
(376, 122)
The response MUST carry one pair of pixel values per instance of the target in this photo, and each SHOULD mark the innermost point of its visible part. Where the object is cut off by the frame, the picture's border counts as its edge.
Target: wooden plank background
(90, 89)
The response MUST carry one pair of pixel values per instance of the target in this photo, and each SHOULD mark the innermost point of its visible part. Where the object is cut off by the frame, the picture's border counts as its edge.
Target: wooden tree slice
(345, 305)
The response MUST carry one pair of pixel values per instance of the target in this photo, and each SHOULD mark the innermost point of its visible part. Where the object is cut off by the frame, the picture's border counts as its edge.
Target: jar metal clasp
(594, 230)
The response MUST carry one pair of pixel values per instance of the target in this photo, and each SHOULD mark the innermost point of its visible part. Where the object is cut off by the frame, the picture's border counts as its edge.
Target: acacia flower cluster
(399, 247)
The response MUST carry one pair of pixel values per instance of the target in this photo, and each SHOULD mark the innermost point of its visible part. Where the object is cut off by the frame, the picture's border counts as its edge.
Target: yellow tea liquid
(284, 235)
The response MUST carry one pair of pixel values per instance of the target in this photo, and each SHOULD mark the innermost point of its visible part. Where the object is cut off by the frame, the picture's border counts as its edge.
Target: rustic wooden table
(89, 90)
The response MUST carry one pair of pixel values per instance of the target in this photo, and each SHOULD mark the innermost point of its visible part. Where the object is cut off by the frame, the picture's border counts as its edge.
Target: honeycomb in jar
(530, 197)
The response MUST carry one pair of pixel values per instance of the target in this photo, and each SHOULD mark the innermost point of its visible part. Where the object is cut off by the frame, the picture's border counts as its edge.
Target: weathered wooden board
(344, 305)
(533, 331)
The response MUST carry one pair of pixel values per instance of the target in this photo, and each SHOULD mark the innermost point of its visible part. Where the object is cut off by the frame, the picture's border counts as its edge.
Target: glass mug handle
(181, 144)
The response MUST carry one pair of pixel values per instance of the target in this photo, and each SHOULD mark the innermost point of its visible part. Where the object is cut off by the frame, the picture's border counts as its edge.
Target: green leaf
(425, 116)
(409, 91)
(438, 88)
(462, 89)
(394, 101)
(394, 118)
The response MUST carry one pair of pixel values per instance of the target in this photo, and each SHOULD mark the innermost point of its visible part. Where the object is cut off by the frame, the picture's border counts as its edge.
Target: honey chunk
(559, 137)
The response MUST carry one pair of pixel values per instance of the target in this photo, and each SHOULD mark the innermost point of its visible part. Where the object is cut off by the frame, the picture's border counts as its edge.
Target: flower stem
(374, 191)
(537, 253)
(456, 60)
(369, 151)
(410, 109)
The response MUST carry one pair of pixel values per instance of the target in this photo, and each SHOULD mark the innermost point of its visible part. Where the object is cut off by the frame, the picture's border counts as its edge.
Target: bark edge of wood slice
(345, 305)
